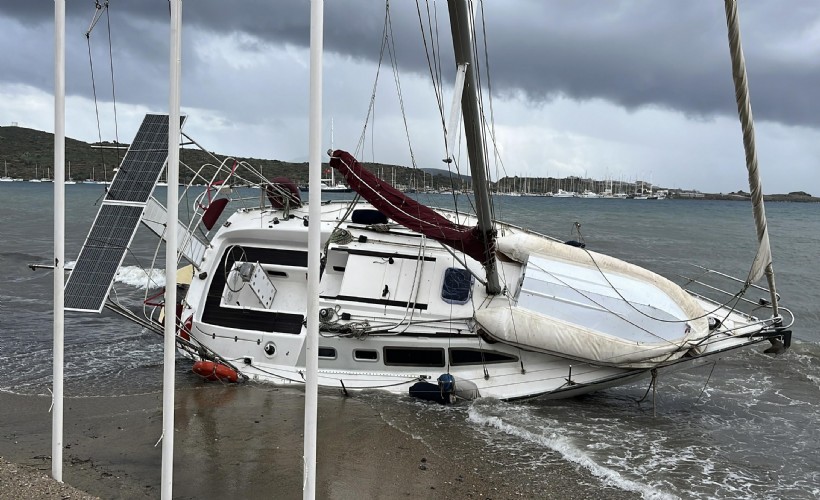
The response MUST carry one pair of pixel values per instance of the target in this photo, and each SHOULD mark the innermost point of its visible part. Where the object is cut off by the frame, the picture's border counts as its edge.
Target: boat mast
(763, 260)
(460, 26)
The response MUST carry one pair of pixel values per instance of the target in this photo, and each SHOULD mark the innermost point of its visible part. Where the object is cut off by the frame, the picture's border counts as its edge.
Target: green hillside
(25, 150)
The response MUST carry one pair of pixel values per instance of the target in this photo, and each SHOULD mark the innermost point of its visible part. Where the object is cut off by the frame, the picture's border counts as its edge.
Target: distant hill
(446, 173)
(23, 150)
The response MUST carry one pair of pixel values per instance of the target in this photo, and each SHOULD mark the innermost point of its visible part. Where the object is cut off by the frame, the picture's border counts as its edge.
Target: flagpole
(314, 242)
(59, 240)
(172, 177)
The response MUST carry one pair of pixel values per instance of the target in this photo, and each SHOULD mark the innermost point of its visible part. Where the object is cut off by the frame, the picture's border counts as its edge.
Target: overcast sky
(616, 89)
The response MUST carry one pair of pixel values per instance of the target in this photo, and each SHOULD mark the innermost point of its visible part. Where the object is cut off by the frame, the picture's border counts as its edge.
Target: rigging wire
(394, 63)
(99, 9)
(113, 88)
(372, 105)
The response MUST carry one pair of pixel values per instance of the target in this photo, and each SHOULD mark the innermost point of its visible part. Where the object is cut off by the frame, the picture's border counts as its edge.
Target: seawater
(745, 426)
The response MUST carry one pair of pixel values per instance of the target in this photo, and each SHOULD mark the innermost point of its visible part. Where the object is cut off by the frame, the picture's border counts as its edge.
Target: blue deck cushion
(457, 286)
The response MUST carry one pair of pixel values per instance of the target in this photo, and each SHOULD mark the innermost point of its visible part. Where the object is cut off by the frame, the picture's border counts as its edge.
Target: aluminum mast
(460, 26)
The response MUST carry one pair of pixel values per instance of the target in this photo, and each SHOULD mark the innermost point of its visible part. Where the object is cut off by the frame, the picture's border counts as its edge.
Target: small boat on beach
(412, 298)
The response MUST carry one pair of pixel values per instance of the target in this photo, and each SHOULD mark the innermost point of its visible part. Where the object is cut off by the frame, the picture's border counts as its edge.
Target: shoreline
(246, 440)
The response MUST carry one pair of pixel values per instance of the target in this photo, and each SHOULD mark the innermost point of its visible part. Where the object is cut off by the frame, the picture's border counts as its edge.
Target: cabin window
(366, 355)
(457, 286)
(413, 356)
(327, 353)
(460, 357)
(278, 274)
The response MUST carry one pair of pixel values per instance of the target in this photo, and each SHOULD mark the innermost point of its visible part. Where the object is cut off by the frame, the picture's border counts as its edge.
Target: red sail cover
(406, 211)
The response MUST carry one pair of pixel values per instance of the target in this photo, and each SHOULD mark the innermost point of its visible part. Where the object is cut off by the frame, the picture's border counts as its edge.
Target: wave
(140, 278)
(568, 451)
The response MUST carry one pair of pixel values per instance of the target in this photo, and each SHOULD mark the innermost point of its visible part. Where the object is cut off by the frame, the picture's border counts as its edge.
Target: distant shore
(799, 197)
(792, 197)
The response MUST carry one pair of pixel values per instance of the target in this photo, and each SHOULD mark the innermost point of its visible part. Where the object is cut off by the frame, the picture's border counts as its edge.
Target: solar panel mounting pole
(169, 358)
(314, 242)
(59, 240)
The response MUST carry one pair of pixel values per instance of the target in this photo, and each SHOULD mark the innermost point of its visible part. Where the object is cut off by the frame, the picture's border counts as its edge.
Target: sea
(742, 426)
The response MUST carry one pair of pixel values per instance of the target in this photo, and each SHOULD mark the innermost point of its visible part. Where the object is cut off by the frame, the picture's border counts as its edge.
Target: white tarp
(593, 307)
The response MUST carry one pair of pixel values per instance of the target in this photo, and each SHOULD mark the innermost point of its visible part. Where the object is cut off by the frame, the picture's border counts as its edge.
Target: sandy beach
(246, 441)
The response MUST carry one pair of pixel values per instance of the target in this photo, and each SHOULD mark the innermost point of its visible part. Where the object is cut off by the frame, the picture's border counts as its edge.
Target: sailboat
(69, 180)
(413, 300)
(6, 177)
(329, 185)
(35, 178)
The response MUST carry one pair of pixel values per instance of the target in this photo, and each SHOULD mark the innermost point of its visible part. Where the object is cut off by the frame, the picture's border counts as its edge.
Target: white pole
(167, 480)
(314, 242)
(59, 239)
(332, 173)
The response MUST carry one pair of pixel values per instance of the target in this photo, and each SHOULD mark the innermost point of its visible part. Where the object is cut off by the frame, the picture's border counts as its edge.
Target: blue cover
(457, 287)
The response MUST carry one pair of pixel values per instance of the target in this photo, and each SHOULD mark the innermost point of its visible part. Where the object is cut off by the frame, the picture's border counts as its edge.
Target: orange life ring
(212, 371)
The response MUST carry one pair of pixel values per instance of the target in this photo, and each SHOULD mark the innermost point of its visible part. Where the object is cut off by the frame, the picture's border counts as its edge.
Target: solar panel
(116, 222)
(143, 162)
(101, 256)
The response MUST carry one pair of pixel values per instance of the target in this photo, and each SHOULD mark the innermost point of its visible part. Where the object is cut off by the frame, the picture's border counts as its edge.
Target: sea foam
(140, 278)
(570, 452)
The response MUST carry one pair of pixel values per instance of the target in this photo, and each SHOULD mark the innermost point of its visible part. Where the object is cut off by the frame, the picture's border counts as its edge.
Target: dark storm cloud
(671, 55)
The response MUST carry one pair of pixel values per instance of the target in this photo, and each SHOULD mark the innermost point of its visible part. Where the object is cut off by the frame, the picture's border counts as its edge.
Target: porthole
(366, 355)
(270, 349)
(327, 353)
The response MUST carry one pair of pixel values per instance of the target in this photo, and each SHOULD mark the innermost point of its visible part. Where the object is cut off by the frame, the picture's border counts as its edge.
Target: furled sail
(406, 211)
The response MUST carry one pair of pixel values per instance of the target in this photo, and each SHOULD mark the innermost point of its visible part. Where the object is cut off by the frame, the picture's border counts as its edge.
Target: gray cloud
(671, 55)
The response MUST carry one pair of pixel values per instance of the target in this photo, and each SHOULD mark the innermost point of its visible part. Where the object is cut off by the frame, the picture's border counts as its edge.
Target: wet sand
(246, 441)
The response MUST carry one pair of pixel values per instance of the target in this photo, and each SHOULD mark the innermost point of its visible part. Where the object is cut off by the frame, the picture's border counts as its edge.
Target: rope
(341, 237)
(707, 381)
(330, 323)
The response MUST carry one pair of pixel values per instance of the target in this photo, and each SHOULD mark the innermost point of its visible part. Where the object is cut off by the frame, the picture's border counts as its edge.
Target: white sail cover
(593, 307)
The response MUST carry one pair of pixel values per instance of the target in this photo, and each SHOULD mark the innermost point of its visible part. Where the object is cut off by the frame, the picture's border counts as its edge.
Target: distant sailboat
(6, 177)
(70, 180)
(35, 178)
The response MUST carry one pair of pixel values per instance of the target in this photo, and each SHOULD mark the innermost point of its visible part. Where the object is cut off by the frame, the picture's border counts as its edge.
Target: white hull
(399, 332)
